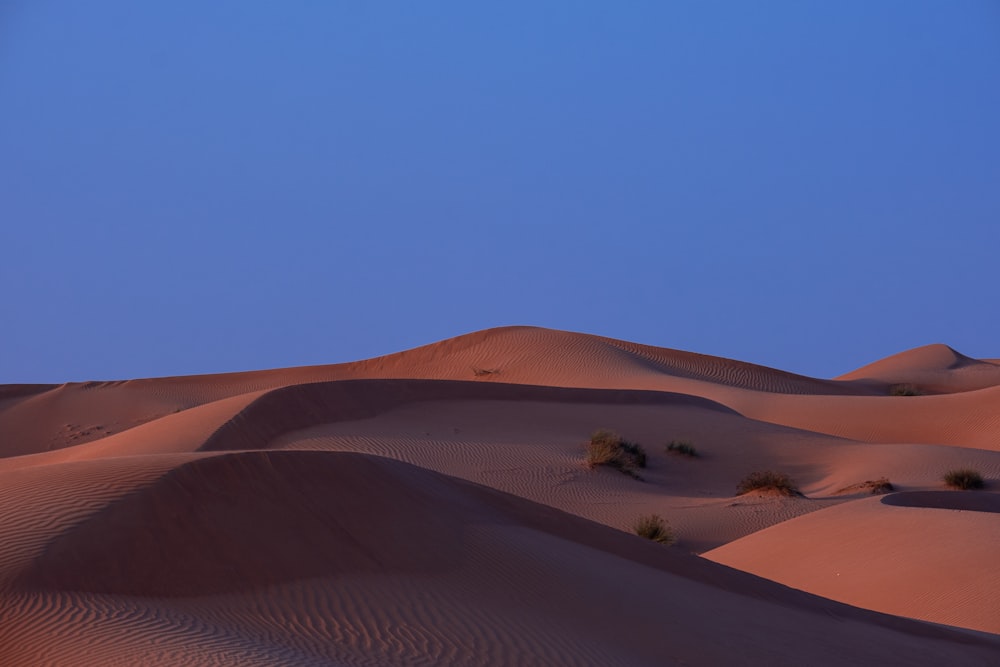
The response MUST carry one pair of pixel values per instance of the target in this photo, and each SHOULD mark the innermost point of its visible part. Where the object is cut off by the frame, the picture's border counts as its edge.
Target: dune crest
(933, 368)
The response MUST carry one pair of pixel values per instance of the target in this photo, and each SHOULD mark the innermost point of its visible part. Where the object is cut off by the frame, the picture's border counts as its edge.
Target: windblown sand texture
(433, 507)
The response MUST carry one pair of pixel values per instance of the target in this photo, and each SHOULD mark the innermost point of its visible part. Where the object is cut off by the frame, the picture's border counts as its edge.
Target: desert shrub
(653, 527)
(963, 478)
(634, 452)
(874, 486)
(904, 390)
(602, 449)
(683, 448)
(483, 372)
(607, 448)
(767, 480)
(880, 486)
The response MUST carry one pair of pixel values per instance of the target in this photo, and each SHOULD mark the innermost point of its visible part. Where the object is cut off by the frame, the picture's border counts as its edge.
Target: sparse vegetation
(964, 478)
(607, 448)
(683, 448)
(483, 372)
(876, 487)
(880, 486)
(904, 390)
(653, 527)
(767, 480)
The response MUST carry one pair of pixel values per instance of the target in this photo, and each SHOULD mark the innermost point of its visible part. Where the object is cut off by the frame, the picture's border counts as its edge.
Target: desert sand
(433, 506)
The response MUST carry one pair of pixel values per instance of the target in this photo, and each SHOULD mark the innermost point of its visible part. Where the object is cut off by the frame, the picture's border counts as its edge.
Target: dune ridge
(60, 416)
(933, 368)
(296, 407)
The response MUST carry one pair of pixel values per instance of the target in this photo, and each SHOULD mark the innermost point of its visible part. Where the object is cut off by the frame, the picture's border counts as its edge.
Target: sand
(433, 507)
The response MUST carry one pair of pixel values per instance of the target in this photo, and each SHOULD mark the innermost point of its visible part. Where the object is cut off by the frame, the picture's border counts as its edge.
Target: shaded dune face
(235, 521)
(297, 407)
(227, 523)
(247, 521)
(965, 501)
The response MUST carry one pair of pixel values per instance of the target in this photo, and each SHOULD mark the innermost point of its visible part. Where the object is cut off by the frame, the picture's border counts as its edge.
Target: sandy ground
(433, 507)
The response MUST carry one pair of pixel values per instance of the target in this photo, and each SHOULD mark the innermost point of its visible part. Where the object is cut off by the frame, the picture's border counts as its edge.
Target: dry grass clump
(964, 478)
(767, 480)
(607, 448)
(879, 486)
(876, 487)
(683, 448)
(904, 390)
(653, 527)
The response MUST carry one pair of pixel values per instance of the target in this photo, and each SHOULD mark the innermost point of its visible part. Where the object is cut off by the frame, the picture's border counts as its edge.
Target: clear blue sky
(191, 187)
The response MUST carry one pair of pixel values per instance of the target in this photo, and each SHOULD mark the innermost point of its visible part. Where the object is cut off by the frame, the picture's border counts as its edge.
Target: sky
(191, 187)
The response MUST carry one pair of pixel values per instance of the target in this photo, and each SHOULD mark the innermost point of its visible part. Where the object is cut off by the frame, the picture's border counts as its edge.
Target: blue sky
(191, 187)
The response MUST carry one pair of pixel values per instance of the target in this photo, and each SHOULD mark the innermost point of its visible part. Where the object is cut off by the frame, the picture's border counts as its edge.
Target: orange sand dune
(74, 414)
(933, 369)
(968, 419)
(319, 558)
(908, 554)
(533, 448)
(66, 415)
(432, 506)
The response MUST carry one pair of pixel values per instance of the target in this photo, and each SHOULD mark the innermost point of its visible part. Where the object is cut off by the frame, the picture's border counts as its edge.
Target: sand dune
(912, 554)
(932, 369)
(378, 561)
(968, 419)
(534, 450)
(62, 416)
(56, 417)
(433, 506)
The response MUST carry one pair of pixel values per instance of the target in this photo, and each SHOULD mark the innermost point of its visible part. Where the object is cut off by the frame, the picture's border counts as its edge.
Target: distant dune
(433, 506)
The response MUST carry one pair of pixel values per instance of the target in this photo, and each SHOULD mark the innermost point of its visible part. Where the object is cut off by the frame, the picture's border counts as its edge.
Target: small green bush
(904, 390)
(653, 527)
(683, 448)
(964, 478)
(607, 448)
(767, 480)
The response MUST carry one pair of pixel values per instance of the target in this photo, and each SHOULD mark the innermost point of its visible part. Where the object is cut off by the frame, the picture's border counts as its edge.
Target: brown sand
(432, 507)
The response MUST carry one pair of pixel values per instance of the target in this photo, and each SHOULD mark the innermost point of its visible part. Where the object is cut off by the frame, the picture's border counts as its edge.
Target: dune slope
(434, 506)
(379, 561)
(916, 554)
